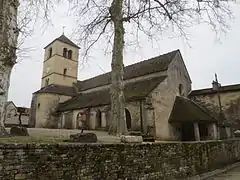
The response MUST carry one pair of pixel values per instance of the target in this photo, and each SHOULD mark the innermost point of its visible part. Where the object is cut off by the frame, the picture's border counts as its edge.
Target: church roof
(185, 110)
(153, 65)
(132, 91)
(57, 89)
(65, 40)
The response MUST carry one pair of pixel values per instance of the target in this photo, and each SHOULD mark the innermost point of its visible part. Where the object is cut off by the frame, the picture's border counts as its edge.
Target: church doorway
(128, 119)
(98, 119)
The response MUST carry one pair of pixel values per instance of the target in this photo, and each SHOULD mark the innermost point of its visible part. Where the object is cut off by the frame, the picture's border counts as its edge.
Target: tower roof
(64, 39)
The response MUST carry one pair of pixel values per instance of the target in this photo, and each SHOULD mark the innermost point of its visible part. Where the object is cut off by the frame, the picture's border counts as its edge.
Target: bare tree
(113, 20)
(8, 45)
(13, 32)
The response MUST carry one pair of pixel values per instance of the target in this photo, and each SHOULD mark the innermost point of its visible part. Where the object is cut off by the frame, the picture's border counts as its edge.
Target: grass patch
(30, 139)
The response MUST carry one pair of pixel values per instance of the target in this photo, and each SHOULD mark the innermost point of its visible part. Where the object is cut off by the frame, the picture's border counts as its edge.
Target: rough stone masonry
(114, 161)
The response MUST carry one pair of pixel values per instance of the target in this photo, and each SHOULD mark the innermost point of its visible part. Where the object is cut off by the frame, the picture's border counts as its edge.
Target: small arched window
(70, 54)
(180, 89)
(50, 53)
(65, 52)
(128, 118)
(38, 105)
(65, 71)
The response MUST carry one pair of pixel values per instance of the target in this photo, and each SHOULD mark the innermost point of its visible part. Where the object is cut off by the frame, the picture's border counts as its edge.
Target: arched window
(50, 53)
(128, 119)
(70, 54)
(46, 82)
(98, 119)
(65, 52)
(180, 89)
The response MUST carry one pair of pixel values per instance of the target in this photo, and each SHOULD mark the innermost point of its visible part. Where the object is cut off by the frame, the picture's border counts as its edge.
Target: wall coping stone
(78, 145)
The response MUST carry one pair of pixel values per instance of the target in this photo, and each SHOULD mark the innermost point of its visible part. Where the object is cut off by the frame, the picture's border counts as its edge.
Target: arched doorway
(128, 119)
(98, 119)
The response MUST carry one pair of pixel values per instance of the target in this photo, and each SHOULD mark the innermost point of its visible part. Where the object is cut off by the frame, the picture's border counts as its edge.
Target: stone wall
(115, 161)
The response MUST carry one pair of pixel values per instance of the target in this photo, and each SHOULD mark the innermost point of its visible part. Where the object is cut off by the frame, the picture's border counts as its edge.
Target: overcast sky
(204, 56)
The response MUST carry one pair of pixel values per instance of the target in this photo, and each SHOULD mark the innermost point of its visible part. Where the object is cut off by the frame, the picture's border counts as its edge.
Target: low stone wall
(114, 161)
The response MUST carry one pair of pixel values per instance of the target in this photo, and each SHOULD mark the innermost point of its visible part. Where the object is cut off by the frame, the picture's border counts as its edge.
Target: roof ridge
(226, 88)
(229, 85)
(171, 52)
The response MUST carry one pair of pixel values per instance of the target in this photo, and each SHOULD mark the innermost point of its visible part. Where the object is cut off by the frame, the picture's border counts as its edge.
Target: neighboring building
(229, 98)
(156, 93)
(12, 115)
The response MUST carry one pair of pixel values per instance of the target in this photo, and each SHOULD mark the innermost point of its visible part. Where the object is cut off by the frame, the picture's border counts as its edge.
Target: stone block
(83, 138)
(131, 139)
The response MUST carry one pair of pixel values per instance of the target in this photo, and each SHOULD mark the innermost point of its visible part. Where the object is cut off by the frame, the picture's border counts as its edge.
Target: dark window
(64, 71)
(65, 52)
(38, 105)
(50, 53)
(46, 82)
(70, 54)
(128, 119)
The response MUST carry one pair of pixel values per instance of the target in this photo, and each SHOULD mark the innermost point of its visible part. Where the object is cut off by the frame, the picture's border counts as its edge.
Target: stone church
(159, 98)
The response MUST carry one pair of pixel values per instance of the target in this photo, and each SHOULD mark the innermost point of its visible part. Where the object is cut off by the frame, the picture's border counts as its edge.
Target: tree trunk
(8, 43)
(118, 122)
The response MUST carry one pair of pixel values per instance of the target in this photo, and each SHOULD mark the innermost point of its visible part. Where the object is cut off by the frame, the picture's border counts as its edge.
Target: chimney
(215, 85)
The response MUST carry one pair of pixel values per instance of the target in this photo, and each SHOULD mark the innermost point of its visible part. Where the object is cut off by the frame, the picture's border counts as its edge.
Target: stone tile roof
(132, 91)
(153, 65)
(185, 109)
(57, 89)
(229, 88)
(64, 39)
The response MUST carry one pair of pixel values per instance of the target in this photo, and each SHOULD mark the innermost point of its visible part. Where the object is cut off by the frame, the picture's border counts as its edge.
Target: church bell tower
(60, 66)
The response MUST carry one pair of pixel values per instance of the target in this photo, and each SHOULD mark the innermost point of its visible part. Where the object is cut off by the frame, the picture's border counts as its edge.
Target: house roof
(185, 109)
(229, 88)
(132, 91)
(10, 102)
(57, 89)
(153, 65)
(64, 39)
(23, 110)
